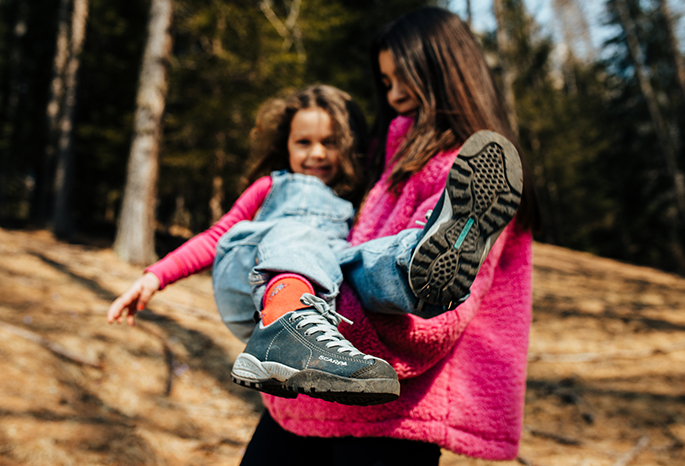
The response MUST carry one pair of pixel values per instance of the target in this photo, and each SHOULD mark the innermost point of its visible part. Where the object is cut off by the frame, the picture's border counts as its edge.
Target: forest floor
(606, 380)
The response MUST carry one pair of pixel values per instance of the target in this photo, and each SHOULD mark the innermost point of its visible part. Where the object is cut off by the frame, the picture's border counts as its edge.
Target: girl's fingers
(130, 318)
(134, 299)
(115, 311)
(144, 297)
(126, 300)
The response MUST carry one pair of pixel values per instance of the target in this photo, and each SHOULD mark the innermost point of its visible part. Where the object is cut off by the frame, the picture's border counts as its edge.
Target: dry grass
(163, 395)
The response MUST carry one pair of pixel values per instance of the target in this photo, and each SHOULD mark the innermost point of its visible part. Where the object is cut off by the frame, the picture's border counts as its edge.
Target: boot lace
(427, 216)
(324, 320)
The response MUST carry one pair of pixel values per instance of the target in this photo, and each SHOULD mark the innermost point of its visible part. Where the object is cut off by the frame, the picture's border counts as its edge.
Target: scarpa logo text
(334, 361)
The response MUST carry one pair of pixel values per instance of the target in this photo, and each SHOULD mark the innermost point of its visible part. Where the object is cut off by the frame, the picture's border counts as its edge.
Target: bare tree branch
(630, 456)
(265, 6)
(293, 14)
(562, 439)
(289, 31)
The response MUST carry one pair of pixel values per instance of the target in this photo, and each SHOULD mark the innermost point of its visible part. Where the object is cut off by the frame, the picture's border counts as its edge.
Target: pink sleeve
(198, 253)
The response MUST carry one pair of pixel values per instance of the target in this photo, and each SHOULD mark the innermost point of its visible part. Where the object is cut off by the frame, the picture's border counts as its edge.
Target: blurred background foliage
(584, 119)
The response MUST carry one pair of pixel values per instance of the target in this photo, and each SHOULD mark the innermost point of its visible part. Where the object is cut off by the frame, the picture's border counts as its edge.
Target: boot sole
(483, 190)
(249, 372)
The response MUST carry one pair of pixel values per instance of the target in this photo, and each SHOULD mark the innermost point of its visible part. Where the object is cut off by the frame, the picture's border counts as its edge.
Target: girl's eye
(303, 142)
(329, 142)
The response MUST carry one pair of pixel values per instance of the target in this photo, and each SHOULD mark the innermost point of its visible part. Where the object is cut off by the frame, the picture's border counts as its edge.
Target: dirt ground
(606, 380)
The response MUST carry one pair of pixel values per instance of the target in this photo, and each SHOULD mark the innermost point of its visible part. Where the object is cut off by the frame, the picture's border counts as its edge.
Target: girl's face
(312, 145)
(399, 96)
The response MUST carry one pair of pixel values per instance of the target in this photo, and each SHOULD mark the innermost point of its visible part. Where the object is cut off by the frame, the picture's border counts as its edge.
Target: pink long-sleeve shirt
(198, 253)
(462, 373)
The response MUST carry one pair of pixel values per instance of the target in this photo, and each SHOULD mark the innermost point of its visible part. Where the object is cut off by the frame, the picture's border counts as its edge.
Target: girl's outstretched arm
(192, 256)
(134, 299)
(198, 253)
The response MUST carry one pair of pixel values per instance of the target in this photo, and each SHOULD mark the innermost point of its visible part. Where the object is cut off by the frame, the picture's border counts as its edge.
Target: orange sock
(283, 295)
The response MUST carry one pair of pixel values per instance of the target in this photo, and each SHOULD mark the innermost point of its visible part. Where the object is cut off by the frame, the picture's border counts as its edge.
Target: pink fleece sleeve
(198, 253)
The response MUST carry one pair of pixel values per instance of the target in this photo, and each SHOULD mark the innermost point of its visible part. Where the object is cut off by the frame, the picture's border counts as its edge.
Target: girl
(462, 372)
(311, 145)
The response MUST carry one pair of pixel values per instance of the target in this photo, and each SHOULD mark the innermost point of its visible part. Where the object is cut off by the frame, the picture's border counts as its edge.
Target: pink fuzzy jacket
(462, 373)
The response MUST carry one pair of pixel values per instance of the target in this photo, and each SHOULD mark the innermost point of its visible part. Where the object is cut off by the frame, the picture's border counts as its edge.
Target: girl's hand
(135, 299)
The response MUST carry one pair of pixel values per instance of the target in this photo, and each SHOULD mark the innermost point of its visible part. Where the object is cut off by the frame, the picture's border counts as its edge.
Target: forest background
(85, 92)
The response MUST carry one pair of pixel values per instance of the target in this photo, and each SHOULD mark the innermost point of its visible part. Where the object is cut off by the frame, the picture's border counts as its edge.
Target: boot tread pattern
(485, 201)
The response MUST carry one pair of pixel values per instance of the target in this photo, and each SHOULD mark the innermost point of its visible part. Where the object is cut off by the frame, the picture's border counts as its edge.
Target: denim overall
(302, 228)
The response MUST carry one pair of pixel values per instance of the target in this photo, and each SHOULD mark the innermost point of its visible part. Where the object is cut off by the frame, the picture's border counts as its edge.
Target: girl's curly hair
(269, 137)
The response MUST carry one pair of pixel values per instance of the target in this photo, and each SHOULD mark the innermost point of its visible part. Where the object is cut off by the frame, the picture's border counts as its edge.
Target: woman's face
(312, 146)
(399, 96)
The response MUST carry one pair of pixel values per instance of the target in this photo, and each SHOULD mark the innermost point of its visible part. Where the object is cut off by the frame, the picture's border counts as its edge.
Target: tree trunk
(62, 221)
(679, 65)
(53, 113)
(508, 74)
(135, 241)
(677, 56)
(12, 100)
(575, 29)
(550, 204)
(216, 202)
(662, 133)
(469, 16)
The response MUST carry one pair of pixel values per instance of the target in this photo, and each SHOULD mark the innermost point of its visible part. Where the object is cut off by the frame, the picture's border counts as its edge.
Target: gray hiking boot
(482, 194)
(303, 352)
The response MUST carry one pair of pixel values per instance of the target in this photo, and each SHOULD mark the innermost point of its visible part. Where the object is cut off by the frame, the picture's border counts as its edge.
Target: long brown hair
(437, 57)
(269, 137)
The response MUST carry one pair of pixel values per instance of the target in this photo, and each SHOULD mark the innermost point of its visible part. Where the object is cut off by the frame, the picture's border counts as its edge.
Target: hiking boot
(481, 196)
(303, 352)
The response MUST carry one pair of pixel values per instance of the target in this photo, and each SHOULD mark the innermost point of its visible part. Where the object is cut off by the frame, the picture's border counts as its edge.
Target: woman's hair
(269, 137)
(438, 59)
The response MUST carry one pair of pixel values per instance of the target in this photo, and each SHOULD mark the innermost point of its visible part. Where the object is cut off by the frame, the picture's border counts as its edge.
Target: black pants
(272, 445)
